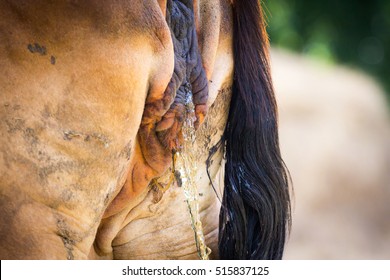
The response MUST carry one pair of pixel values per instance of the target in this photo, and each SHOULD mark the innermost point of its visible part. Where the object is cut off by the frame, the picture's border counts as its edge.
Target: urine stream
(186, 164)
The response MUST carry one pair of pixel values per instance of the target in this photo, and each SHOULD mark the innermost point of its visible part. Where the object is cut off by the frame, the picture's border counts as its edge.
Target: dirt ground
(335, 138)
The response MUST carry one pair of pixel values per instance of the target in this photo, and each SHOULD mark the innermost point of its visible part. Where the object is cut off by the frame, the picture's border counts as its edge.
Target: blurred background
(331, 68)
(352, 32)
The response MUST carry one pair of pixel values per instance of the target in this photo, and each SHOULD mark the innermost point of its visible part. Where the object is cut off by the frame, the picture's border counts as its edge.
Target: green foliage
(353, 32)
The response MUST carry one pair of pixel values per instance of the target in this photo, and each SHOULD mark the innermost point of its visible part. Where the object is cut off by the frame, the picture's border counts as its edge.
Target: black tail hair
(255, 213)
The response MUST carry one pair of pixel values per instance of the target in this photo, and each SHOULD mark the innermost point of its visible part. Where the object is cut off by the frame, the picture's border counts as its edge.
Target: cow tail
(255, 212)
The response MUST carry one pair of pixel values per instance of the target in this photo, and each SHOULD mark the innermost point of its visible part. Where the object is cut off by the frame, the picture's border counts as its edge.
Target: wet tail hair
(255, 212)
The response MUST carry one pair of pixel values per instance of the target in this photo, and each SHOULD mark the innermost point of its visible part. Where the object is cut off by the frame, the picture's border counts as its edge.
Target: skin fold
(91, 107)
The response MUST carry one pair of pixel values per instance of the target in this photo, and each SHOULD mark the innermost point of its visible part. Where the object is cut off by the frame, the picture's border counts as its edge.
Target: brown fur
(74, 77)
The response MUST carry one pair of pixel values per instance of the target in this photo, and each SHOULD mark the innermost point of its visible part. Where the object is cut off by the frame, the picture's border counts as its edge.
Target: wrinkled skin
(91, 108)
